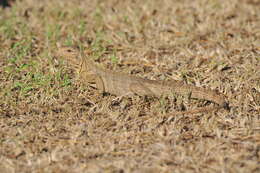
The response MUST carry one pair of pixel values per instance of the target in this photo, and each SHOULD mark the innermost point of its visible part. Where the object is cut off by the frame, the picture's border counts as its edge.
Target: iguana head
(70, 54)
(75, 59)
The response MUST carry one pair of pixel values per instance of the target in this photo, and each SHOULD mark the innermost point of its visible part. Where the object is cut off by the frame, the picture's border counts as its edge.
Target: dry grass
(50, 122)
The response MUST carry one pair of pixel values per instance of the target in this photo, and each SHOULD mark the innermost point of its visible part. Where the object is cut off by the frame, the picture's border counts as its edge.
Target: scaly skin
(122, 84)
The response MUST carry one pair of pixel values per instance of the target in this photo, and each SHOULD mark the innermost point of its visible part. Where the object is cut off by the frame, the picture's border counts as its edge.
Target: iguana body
(122, 84)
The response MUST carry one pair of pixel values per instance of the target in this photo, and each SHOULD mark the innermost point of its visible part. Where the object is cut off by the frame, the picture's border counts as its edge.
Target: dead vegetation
(51, 122)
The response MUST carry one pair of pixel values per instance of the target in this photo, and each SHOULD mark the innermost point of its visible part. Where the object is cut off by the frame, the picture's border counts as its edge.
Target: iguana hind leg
(119, 98)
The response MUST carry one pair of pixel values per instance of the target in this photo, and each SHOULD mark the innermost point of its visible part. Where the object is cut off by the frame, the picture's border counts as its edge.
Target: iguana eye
(69, 50)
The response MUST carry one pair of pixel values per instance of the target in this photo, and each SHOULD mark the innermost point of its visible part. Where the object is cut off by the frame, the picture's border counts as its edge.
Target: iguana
(123, 84)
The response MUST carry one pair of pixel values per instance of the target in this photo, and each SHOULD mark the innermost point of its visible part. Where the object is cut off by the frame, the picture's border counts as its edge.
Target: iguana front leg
(100, 84)
(92, 78)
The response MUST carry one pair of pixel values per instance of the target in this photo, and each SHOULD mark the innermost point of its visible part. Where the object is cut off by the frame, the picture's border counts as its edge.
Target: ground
(52, 122)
